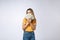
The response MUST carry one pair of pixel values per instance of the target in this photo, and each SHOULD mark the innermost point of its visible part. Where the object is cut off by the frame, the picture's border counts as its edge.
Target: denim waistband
(29, 32)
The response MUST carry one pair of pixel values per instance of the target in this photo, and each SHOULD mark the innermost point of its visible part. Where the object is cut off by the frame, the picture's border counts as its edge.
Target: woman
(29, 26)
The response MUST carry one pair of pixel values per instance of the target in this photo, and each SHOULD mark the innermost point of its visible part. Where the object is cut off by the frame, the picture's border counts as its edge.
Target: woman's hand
(29, 20)
(33, 26)
(26, 25)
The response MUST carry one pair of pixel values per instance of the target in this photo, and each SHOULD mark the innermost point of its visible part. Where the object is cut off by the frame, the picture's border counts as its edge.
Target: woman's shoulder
(24, 19)
(34, 20)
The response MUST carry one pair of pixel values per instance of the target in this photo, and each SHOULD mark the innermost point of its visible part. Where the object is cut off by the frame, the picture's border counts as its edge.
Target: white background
(47, 13)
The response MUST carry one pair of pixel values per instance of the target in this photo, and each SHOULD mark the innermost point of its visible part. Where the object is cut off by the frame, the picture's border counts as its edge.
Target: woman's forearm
(25, 26)
(33, 26)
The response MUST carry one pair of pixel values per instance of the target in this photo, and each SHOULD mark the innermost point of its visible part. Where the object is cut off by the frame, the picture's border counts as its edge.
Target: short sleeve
(24, 21)
(34, 21)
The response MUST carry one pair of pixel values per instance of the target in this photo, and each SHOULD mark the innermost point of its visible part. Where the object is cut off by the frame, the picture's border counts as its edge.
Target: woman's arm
(24, 26)
(33, 25)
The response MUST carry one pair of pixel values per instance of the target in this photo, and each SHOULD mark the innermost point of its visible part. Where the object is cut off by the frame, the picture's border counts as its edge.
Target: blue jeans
(28, 36)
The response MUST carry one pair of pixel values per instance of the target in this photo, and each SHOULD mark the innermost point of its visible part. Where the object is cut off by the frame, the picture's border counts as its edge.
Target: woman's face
(29, 12)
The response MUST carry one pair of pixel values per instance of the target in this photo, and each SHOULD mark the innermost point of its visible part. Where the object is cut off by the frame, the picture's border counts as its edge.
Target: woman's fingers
(29, 20)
